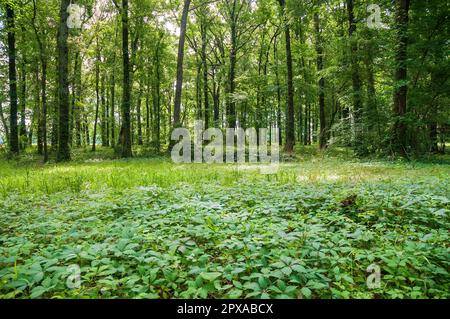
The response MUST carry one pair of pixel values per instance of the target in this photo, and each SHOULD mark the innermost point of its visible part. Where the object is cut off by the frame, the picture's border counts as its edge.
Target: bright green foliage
(202, 231)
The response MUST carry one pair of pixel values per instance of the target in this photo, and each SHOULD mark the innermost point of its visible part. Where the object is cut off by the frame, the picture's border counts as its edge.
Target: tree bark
(23, 105)
(13, 134)
(97, 95)
(42, 122)
(5, 125)
(400, 85)
(319, 51)
(63, 84)
(231, 104)
(156, 95)
(180, 59)
(125, 131)
(290, 112)
(205, 72)
(356, 81)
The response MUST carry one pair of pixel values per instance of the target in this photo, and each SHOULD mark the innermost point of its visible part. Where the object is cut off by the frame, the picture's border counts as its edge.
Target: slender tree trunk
(14, 134)
(400, 85)
(138, 115)
(97, 94)
(322, 118)
(356, 81)
(205, 73)
(216, 99)
(147, 113)
(157, 101)
(290, 112)
(42, 122)
(63, 82)
(231, 103)
(112, 116)
(278, 85)
(125, 131)
(38, 113)
(198, 91)
(44, 108)
(5, 125)
(77, 103)
(107, 119)
(23, 104)
(180, 59)
(372, 109)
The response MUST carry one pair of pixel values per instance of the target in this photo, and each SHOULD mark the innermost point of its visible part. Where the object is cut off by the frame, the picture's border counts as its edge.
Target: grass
(100, 171)
(147, 228)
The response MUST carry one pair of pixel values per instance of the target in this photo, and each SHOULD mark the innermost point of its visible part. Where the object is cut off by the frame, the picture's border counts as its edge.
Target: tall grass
(97, 171)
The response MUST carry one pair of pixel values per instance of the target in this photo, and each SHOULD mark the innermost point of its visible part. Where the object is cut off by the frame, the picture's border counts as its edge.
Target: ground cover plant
(151, 229)
(103, 101)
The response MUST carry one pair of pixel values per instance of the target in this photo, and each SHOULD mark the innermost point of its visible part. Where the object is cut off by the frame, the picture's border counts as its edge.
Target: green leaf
(306, 292)
(37, 292)
(210, 276)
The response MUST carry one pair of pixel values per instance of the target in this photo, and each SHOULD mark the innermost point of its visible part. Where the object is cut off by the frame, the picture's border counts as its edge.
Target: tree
(125, 131)
(290, 116)
(180, 59)
(356, 81)
(97, 95)
(401, 70)
(63, 84)
(14, 133)
(319, 51)
(43, 58)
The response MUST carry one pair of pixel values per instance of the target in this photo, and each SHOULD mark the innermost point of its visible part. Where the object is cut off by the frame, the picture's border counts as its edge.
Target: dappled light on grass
(148, 228)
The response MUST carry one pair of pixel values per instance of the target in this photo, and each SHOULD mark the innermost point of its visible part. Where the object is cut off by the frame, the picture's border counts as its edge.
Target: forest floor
(147, 228)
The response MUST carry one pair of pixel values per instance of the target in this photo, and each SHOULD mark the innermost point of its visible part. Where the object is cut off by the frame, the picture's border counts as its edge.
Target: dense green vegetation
(92, 206)
(147, 228)
(365, 74)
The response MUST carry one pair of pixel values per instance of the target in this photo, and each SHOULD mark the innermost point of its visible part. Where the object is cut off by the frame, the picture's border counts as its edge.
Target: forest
(93, 206)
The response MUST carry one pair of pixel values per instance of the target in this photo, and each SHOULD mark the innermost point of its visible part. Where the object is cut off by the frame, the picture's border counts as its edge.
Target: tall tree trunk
(5, 125)
(372, 110)
(231, 103)
(278, 85)
(138, 116)
(97, 95)
(216, 99)
(400, 85)
(63, 82)
(147, 113)
(205, 72)
(319, 51)
(125, 131)
(356, 81)
(23, 105)
(156, 94)
(42, 122)
(103, 112)
(198, 91)
(107, 119)
(44, 108)
(78, 102)
(38, 111)
(112, 116)
(14, 133)
(55, 121)
(290, 112)
(180, 59)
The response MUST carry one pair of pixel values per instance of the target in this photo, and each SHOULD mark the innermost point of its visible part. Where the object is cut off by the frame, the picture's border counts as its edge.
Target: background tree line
(134, 70)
